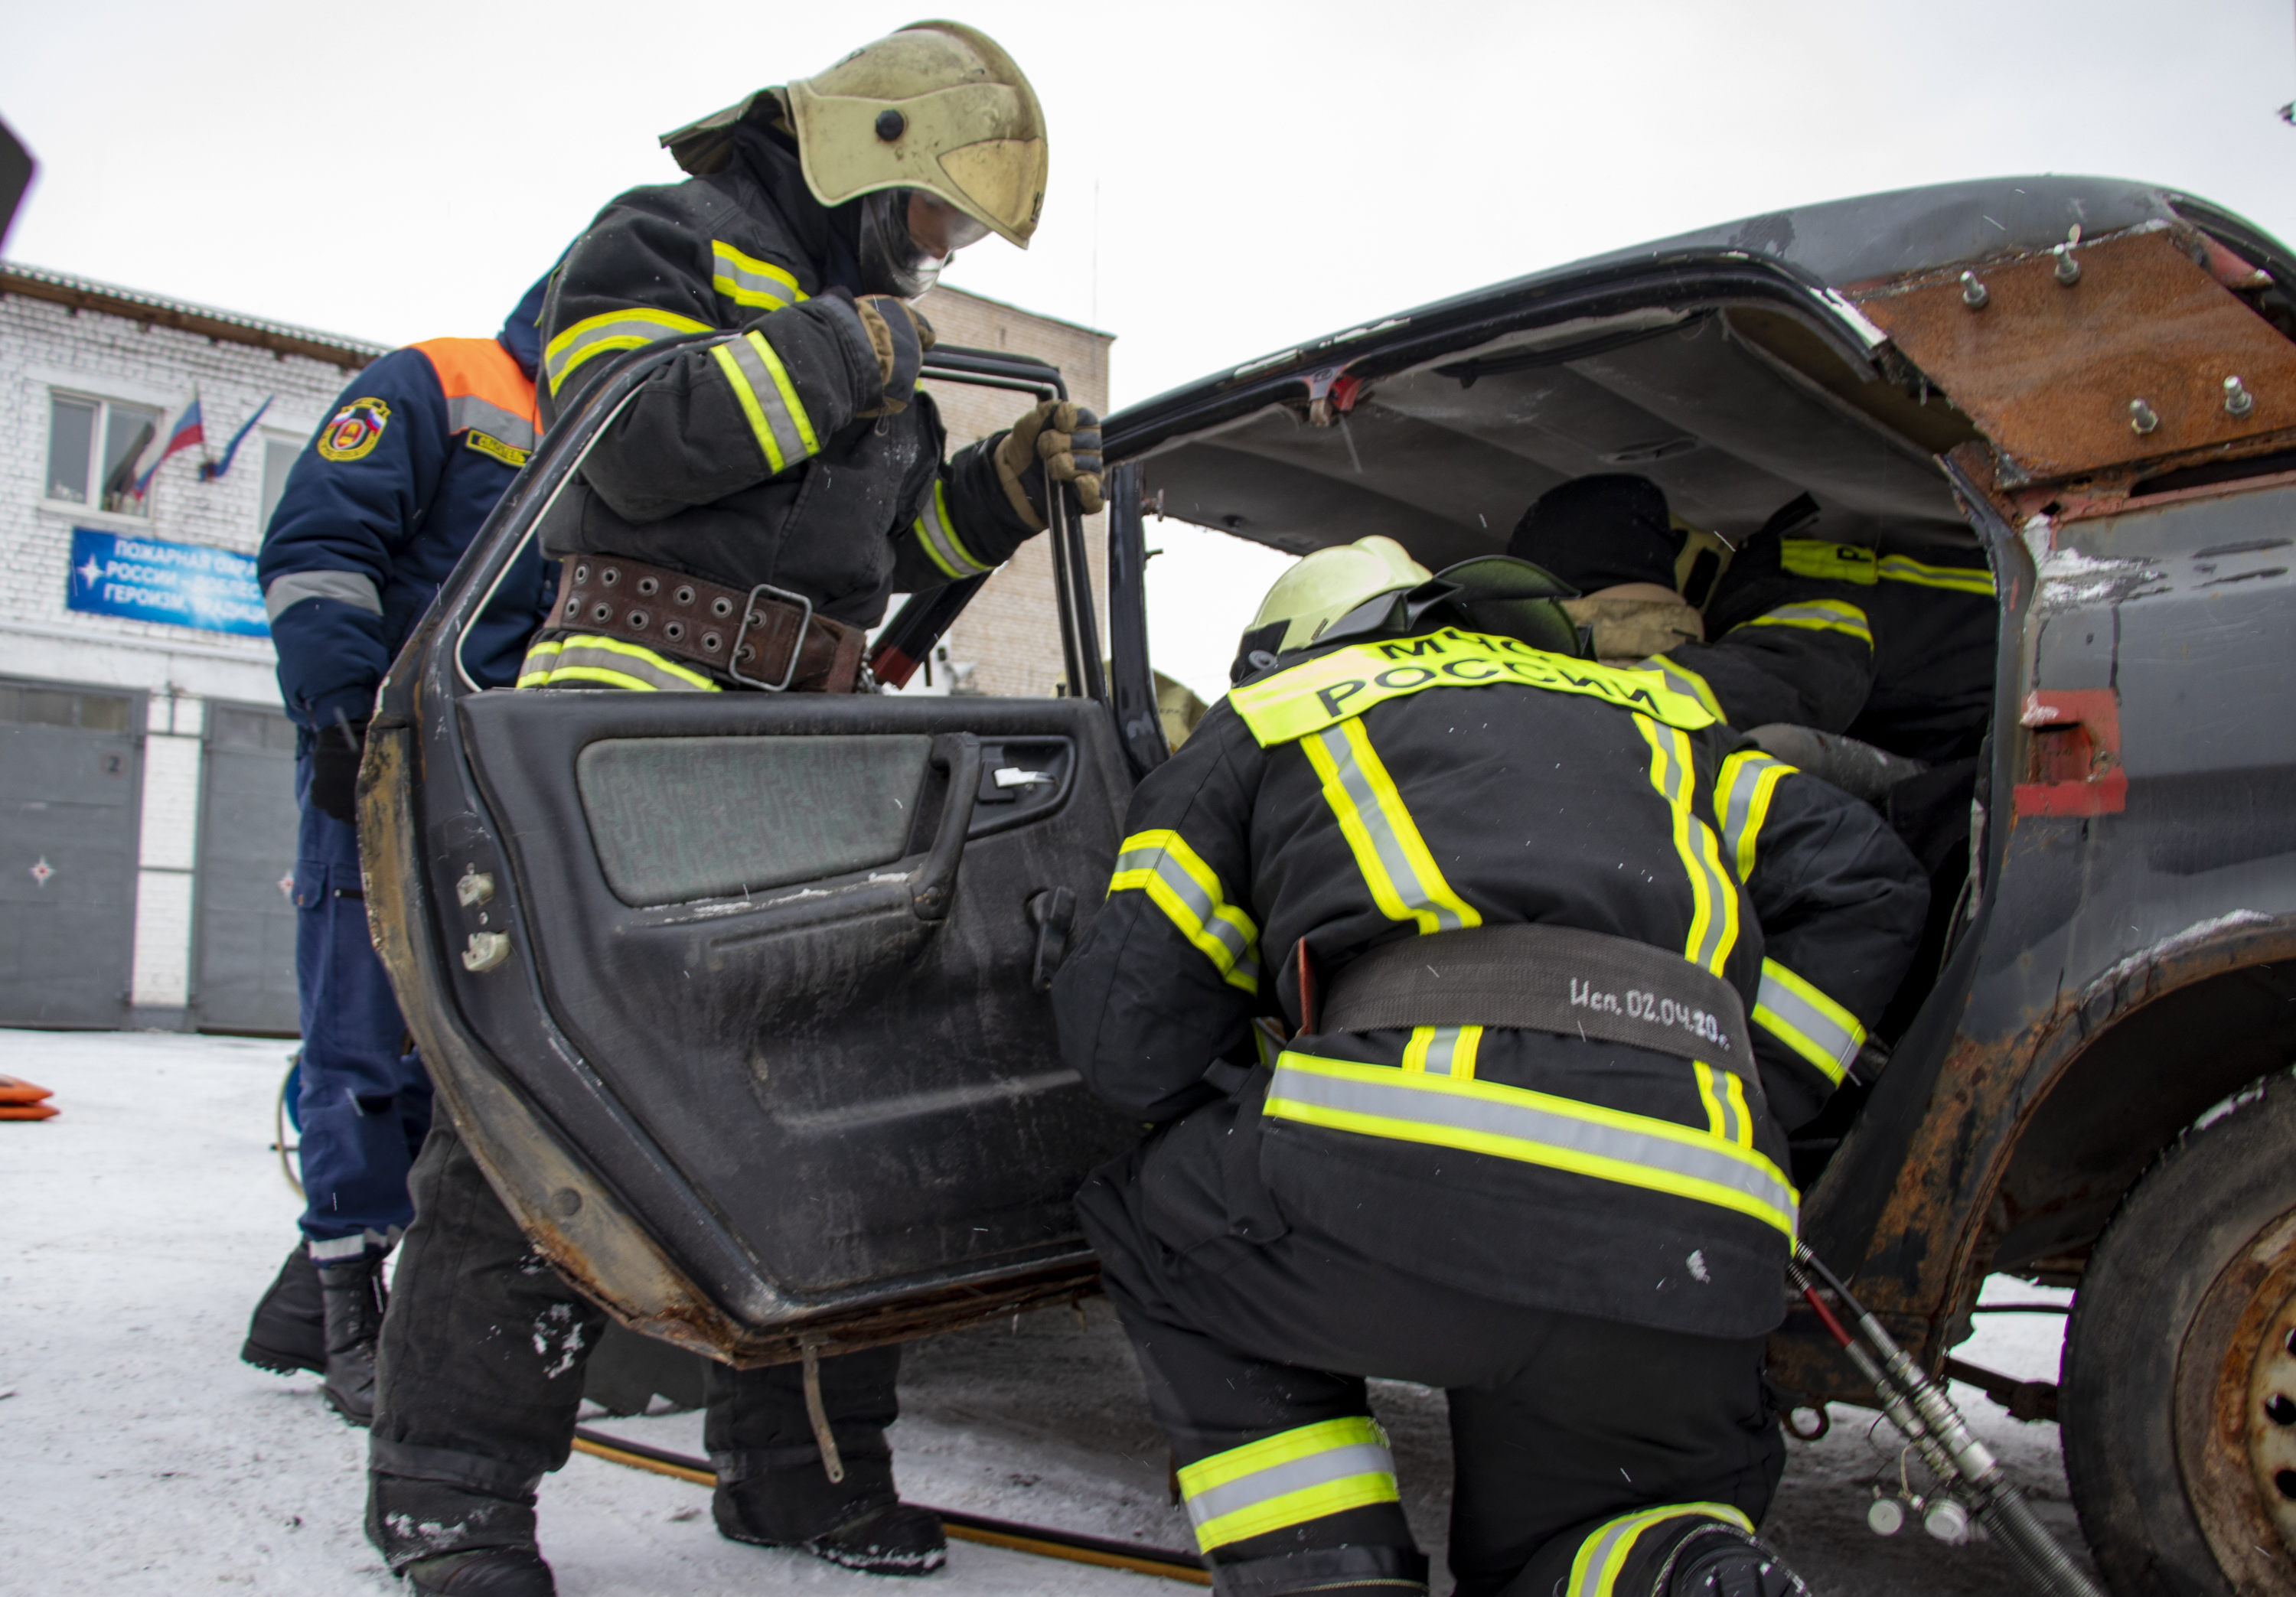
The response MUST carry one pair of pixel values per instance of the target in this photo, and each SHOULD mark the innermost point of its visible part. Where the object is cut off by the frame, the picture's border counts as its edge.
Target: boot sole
(277, 1363)
(922, 1563)
(361, 1422)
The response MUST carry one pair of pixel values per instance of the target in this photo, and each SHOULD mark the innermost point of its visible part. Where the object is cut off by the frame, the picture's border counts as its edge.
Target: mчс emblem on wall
(356, 430)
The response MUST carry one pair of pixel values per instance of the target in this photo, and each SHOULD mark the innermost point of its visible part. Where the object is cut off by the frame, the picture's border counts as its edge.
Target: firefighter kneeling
(1523, 1142)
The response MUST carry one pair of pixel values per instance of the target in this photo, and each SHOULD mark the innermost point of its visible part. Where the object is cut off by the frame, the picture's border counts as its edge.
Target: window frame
(294, 444)
(105, 406)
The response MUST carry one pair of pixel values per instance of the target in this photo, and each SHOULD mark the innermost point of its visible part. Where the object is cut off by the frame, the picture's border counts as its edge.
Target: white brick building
(146, 811)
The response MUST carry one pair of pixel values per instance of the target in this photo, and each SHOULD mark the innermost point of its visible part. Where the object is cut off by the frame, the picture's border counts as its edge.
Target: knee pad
(1721, 1560)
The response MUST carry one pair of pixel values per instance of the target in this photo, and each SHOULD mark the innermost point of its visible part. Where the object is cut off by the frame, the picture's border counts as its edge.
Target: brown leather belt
(767, 637)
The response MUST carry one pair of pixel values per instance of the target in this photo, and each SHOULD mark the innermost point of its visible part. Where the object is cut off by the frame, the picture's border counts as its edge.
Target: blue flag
(214, 469)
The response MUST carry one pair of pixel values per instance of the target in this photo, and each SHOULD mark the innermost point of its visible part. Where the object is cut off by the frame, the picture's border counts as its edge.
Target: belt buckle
(749, 612)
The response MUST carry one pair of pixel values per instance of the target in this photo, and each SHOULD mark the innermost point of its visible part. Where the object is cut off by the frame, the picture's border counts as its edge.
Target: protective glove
(335, 754)
(1057, 442)
(900, 335)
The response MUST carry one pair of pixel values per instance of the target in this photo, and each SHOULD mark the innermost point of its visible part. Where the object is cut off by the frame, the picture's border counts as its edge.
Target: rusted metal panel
(2073, 757)
(2050, 369)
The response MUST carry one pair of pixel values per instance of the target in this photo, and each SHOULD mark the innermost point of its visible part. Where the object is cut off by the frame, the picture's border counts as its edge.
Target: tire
(2193, 1283)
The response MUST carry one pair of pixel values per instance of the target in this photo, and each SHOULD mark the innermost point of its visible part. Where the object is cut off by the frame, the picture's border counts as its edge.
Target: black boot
(487, 1572)
(889, 1538)
(289, 1332)
(354, 1299)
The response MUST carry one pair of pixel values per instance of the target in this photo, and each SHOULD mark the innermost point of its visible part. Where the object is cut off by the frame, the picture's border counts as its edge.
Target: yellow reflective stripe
(1724, 1094)
(609, 662)
(747, 398)
(936, 536)
(1603, 1553)
(787, 389)
(1347, 682)
(1684, 681)
(1713, 895)
(1289, 1479)
(1405, 882)
(1710, 1094)
(1959, 580)
(630, 328)
(746, 279)
(1742, 791)
(1805, 1019)
(1827, 562)
(1177, 881)
(1819, 615)
(1445, 1050)
(1533, 1129)
(1733, 1088)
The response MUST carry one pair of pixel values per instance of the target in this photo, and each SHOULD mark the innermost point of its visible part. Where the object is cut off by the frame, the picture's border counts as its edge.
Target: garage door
(68, 812)
(246, 910)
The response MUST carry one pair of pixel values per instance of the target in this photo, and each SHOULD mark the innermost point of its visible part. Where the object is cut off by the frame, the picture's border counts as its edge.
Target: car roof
(1447, 466)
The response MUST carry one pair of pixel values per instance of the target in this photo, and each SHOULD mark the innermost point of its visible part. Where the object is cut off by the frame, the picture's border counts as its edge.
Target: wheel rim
(2237, 1413)
(2272, 1420)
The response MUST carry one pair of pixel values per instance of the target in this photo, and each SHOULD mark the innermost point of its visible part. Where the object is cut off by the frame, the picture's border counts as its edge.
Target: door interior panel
(850, 1066)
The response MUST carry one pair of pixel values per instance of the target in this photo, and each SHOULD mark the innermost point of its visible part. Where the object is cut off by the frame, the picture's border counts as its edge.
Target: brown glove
(900, 335)
(1057, 442)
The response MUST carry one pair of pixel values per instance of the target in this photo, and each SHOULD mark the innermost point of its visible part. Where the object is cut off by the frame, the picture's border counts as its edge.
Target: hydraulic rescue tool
(1965, 1467)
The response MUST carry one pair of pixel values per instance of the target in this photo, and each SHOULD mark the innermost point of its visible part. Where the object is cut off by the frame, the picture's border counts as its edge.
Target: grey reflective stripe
(1372, 819)
(1242, 952)
(789, 435)
(1788, 1014)
(941, 538)
(1732, 1124)
(1543, 1137)
(1295, 1475)
(1823, 615)
(345, 587)
(1710, 886)
(331, 1250)
(1742, 782)
(467, 411)
(576, 665)
(1442, 1049)
(732, 276)
(1602, 1557)
(568, 352)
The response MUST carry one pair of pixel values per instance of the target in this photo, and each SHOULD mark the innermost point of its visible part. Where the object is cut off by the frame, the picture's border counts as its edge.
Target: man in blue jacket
(376, 512)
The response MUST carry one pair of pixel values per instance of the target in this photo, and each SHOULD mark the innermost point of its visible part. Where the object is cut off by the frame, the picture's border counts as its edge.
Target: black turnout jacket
(1372, 791)
(746, 458)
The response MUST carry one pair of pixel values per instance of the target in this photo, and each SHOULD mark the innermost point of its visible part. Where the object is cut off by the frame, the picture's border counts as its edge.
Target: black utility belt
(1553, 978)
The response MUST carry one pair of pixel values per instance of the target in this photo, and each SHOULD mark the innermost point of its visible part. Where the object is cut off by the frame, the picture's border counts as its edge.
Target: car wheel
(2179, 1379)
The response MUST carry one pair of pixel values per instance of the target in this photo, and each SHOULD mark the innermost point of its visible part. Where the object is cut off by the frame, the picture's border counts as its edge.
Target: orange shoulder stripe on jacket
(481, 369)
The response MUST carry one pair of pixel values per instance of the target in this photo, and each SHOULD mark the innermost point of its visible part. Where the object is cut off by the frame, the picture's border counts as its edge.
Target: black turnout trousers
(480, 1380)
(1557, 1421)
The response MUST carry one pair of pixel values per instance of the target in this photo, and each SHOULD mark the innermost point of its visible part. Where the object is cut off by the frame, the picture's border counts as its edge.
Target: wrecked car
(741, 1001)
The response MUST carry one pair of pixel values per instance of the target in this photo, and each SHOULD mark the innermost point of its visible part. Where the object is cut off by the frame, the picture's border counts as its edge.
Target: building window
(92, 447)
(278, 459)
(28, 705)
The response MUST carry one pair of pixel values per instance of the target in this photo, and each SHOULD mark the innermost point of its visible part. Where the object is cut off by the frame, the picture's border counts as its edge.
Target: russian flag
(188, 430)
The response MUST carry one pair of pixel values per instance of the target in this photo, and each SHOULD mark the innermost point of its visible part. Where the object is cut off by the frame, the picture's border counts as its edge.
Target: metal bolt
(1972, 292)
(2141, 418)
(2067, 269)
(475, 888)
(2238, 400)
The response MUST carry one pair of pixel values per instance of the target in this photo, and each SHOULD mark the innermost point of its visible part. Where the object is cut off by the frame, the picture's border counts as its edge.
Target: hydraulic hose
(1921, 1409)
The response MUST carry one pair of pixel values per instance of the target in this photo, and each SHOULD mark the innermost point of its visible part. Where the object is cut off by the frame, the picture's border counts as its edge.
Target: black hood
(521, 330)
(1598, 532)
(831, 238)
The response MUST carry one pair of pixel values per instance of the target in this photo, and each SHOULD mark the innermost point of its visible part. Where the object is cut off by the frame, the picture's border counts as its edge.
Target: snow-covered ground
(138, 1455)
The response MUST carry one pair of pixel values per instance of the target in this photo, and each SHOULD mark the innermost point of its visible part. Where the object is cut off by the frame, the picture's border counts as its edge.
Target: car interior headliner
(1734, 412)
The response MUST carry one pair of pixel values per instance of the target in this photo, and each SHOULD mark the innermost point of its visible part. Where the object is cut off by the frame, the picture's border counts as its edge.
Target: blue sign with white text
(150, 579)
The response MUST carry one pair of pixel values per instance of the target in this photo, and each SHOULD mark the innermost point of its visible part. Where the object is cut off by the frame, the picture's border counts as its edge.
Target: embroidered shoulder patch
(510, 455)
(356, 430)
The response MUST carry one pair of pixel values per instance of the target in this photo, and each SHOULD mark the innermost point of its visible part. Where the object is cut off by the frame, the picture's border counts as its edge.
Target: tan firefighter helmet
(938, 106)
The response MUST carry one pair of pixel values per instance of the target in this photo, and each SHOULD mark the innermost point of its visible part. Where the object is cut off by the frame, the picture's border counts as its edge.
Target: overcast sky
(1226, 178)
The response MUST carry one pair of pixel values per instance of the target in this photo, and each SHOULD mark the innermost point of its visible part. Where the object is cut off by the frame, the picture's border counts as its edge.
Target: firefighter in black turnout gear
(1473, 988)
(738, 526)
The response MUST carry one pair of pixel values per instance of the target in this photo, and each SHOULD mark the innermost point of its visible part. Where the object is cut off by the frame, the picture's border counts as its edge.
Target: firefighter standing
(1523, 1142)
(738, 526)
(374, 515)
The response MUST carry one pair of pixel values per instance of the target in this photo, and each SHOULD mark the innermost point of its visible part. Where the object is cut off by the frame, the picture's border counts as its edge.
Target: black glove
(1056, 440)
(335, 754)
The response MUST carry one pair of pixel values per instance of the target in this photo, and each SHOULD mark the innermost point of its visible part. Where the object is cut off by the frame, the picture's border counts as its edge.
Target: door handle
(1054, 911)
(959, 753)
